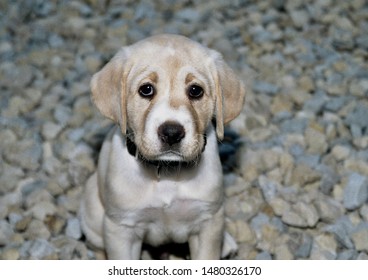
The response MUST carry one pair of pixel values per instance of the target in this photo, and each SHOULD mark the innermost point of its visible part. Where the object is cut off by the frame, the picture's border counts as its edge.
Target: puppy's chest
(174, 219)
(167, 200)
(168, 204)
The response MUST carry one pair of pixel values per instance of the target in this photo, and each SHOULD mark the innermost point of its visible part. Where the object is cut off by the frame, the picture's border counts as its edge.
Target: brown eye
(195, 91)
(146, 91)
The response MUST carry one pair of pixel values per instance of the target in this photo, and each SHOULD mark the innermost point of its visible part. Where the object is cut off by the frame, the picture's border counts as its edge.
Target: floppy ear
(108, 88)
(230, 95)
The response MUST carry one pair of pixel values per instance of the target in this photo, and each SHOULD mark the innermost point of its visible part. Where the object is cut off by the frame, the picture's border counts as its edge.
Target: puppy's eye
(195, 91)
(146, 91)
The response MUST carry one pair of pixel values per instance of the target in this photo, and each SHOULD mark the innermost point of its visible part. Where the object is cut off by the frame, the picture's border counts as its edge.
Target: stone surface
(356, 191)
(73, 228)
(324, 247)
(360, 237)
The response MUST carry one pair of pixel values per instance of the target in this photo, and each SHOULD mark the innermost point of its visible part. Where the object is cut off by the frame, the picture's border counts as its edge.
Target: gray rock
(300, 18)
(364, 212)
(359, 88)
(42, 209)
(259, 36)
(329, 178)
(14, 218)
(282, 252)
(3, 210)
(265, 87)
(336, 103)
(358, 116)
(305, 247)
(340, 152)
(342, 229)
(9, 177)
(360, 237)
(349, 254)
(362, 42)
(32, 186)
(362, 256)
(324, 247)
(356, 191)
(76, 135)
(317, 103)
(259, 220)
(41, 249)
(6, 232)
(51, 130)
(73, 228)
(26, 154)
(62, 114)
(296, 125)
(37, 229)
(263, 256)
(9, 253)
(268, 187)
(303, 175)
(52, 166)
(301, 215)
(189, 15)
(329, 209)
(342, 39)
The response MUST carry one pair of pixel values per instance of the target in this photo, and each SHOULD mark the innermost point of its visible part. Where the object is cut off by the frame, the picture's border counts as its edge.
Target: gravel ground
(297, 186)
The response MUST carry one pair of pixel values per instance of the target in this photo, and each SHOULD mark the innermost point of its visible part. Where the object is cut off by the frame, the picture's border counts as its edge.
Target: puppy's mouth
(170, 155)
(166, 156)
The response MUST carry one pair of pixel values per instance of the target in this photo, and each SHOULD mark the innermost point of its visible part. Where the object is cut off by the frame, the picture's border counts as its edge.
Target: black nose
(171, 133)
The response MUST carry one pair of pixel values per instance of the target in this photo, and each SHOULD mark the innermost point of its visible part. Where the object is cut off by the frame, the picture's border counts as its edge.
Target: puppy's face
(164, 92)
(170, 102)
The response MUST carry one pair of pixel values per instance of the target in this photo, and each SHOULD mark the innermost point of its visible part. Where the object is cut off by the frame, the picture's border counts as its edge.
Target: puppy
(159, 176)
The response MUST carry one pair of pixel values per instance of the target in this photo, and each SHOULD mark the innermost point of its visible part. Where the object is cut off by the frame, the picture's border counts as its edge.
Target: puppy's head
(164, 91)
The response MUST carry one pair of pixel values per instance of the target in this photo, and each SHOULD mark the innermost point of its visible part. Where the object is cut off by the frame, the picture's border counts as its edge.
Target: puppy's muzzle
(171, 133)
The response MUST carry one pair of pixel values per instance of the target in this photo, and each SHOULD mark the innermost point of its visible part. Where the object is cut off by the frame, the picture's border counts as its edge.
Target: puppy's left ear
(230, 95)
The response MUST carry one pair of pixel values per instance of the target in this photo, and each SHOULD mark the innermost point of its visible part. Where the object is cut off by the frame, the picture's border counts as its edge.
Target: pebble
(340, 152)
(41, 249)
(305, 246)
(324, 247)
(265, 87)
(358, 116)
(360, 237)
(42, 209)
(300, 215)
(6, 232)
(356, 191)
(37, 229)
(342, 229)
(73, 228)
(295, 160)
(10, 254)
(303, 175)
(51, 130)
(26, 154)
(328, 209)
(263, 256)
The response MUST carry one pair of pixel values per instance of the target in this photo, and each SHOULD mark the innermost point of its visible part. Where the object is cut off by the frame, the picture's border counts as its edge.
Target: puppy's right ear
(108, 88)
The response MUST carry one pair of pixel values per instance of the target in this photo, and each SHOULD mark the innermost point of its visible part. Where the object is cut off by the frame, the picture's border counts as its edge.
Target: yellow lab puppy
(159, 176)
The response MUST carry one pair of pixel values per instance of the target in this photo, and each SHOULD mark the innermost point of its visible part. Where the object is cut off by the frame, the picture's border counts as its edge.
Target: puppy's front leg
(121, 242)
(207, 244)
